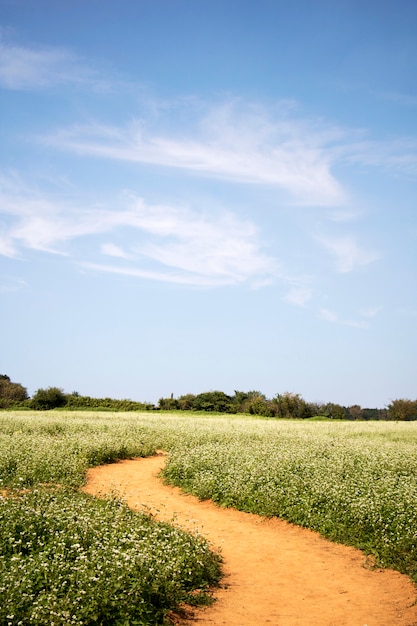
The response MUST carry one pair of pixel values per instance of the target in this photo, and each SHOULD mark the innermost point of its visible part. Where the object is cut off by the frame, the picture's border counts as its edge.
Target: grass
(354, 482)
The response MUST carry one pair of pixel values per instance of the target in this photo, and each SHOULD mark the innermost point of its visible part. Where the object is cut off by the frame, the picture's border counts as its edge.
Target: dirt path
(276, 573)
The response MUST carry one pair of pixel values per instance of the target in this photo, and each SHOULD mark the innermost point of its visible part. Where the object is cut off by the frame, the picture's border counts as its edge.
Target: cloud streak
(330, 316)
(160, 242)
(245, 144)
(347, 253)
(229, 142)
(23, 69)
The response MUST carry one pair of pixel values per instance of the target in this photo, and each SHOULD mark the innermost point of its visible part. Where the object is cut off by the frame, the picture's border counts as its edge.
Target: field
(356, 483)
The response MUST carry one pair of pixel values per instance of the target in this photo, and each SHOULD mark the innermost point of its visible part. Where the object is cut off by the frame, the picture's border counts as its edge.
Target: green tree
(50, 398)
(403, 410)
(243, 399)
(335, 411)
(186, 402)
(215, 401)
(168, 404)
(290, 406)
(355, 412)
(11, 393)
(375, 414)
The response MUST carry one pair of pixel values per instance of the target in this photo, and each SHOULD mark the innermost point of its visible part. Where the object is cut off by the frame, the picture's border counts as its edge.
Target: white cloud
(230, 142)
(347, 253)
(110, 249)
(246, 143)
(9, 284)
(398, 155)
(299, 296)
(24, 68)
(220, 249)
(330, 316)
(160, 242)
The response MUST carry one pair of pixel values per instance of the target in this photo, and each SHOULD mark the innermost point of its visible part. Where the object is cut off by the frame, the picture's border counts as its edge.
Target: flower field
(355, 482)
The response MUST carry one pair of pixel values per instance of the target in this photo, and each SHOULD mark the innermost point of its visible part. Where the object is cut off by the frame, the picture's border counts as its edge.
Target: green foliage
(355, 485)
(290, 406)
(403, 410)
(355, 482)
(335, 411)
(285, 406)
(214, 401)
(75, 401)
(374, 414)
(186, 402)
(11, 394)
(68, 559)
(46, 399)
(168, 404)
(58, 447)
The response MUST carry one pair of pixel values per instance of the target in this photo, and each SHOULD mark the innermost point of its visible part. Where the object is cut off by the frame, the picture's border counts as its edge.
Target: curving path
(275, 573)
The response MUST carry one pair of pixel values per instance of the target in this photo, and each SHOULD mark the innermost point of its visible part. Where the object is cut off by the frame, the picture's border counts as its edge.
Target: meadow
(354, 482)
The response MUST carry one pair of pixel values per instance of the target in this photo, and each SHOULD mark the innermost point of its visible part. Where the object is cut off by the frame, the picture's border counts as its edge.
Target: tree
(11, 393)
(291, 405)
(335, 411)
(216, 401)
(50, 398)
(355, 412)
(168, 404)
(244, 399)
(403, 410)
(186, 402)
(375, 414)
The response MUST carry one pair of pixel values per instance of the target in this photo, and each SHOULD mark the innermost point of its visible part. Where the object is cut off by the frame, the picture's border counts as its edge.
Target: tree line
(15, 396)
(283, 405)
(286, 406)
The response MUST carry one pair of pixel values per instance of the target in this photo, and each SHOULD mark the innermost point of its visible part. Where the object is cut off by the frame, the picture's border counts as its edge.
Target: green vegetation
(46, 399)
(354, 482)
(283, 405)
(11, 393)
(66, 558)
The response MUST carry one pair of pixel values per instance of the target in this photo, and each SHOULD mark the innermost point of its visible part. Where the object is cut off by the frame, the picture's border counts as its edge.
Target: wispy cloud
(371, 312)
(245, 143)
(25, 68)
(397, 97)
(232, 142)
(330, 316)
(10, 284)
(200, 249)
(299, 295)
(397, 155)
(159, 242)
(347, 253)
(110, 249)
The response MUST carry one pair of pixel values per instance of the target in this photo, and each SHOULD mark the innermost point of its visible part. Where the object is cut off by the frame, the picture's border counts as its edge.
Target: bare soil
(275, 573)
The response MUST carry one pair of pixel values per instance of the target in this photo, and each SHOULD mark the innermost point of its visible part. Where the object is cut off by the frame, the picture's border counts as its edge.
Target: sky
(204, 195)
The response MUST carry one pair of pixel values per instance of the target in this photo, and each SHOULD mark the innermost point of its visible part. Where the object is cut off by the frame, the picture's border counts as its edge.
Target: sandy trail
(275, 573)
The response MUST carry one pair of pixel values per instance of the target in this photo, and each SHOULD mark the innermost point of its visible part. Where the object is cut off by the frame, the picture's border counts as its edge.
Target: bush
(51, 398)
(11, 394)
(214, 401)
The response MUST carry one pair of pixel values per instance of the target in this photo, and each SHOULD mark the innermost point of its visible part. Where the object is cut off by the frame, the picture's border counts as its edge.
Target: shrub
(51, 398)
(11, 393)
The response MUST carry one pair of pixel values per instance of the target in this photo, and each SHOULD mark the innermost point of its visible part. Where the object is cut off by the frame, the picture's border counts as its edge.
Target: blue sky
(209, 194)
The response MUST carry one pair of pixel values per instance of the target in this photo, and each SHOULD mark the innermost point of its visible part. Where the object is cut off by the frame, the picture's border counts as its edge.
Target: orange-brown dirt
(274, 572)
